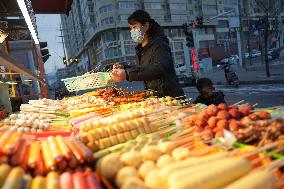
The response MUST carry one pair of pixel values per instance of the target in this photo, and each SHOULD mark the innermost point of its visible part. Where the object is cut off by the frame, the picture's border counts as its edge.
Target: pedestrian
(154, 58)
(207, 92)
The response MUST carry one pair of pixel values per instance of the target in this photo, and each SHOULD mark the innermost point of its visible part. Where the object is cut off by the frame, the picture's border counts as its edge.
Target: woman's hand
(118, 75)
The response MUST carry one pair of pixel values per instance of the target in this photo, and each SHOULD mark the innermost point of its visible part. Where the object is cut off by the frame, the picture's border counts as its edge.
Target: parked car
(255, 53)
(187, 79)
(224, 61)
(234, 59)
(246, 55)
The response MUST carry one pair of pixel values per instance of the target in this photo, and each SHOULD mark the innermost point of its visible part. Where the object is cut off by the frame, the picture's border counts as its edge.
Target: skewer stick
(237, 103)
(256, 104)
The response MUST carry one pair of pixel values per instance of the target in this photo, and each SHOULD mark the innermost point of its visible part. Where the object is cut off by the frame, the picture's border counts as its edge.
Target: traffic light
(190, 40)
(199, 20)
(44, 52)
(64, 60)
(70, 60)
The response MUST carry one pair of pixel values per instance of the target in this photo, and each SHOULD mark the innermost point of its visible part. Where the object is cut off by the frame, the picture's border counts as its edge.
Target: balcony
(206, 37)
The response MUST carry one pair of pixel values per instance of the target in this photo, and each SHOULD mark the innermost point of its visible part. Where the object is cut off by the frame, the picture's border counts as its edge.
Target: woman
(154, 58)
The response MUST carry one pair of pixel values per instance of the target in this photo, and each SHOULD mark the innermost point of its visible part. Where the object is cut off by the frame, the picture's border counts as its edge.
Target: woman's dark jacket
(155, 65)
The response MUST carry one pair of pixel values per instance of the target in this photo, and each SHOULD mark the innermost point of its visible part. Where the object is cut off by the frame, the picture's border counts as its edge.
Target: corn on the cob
(263, 179)
(210, 176)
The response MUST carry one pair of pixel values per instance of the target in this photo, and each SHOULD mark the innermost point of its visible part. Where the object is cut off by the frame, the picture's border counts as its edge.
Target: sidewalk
(253, 75)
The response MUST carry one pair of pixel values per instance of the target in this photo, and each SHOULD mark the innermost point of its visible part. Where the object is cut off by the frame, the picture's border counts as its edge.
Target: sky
(48, 26)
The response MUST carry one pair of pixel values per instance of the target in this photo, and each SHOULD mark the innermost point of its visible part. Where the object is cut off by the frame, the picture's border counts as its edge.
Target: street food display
(114, 139)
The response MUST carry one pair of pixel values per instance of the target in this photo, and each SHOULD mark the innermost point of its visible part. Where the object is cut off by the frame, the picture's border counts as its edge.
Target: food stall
(109, 138)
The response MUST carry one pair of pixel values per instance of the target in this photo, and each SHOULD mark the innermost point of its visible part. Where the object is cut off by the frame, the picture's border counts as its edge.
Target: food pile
(156, 163)
(44, 106)
(262, 132)
(113, 130)
(27, 122)
(16, 178)
(214, 119)
(119, 97)
(40, 157)
(114, 139)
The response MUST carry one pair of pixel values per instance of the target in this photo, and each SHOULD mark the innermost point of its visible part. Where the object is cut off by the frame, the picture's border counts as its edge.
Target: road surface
(263, 95)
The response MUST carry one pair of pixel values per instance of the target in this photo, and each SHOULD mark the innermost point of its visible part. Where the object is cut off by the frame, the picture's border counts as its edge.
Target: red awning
(52, 6)
(11, 8)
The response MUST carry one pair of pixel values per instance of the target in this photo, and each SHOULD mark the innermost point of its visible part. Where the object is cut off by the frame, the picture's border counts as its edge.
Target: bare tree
(268, 11)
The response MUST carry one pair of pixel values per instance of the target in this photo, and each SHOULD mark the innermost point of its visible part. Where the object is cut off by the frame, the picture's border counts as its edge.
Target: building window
(153, 5)
(106, 8)
(223, 24)
(178, 46)
(100, 56)
(109, 36)
(177, 6)
(107, 21)
(111, 52)
(126, 5)
(210, 31)
(179, 17)
(209, 7)
(230, 2)
(129, 49)
(223, 35)
(174, 32)
(123, 17)
(91, 8)
(92, 19)
(227, 9)
(126, 35)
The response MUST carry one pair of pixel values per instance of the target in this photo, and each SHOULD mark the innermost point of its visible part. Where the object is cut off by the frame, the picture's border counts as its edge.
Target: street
(264, 95)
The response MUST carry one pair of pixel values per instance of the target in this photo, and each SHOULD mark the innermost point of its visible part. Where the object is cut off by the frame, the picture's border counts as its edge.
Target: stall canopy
(7, 61)
(11, 8)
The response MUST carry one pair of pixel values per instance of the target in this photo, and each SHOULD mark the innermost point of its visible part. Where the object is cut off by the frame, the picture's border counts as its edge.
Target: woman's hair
(139, 16)
(203, 82)
(142, 17)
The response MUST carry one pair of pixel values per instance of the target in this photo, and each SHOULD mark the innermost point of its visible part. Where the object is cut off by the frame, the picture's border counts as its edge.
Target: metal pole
(240, 36)
(62, 41)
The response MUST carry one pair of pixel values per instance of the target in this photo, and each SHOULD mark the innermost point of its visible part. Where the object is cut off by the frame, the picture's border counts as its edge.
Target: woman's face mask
(137, 35)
